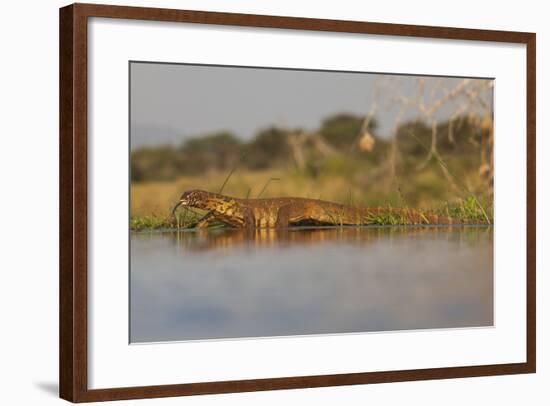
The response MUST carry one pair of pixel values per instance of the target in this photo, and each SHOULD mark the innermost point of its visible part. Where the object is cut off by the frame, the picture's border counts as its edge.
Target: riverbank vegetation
(467, 212)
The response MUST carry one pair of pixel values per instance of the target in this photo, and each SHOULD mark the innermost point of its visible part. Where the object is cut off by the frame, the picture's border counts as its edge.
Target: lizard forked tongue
(178, 204)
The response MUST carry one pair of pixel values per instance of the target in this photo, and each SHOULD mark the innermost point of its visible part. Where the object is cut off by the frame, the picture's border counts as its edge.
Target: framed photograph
(254, 202)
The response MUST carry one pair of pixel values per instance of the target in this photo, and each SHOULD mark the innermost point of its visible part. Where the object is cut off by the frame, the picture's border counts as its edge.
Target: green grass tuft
(388, 219)
(182, 219)
(469, 211)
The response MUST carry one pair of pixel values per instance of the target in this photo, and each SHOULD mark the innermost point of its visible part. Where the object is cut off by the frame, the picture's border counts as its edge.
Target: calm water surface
(233, 284)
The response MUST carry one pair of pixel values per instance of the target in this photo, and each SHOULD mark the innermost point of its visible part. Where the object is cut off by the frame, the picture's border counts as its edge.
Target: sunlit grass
(421, 189)
(389, 219)
(469, 211)
(182, 219)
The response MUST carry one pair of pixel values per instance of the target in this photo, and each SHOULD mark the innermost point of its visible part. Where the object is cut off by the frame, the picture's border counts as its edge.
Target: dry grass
(158, 198)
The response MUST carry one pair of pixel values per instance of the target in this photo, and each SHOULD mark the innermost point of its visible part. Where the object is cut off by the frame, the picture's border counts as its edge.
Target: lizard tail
(397, 216)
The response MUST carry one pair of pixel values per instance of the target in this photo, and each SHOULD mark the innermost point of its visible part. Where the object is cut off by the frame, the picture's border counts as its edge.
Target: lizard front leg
(244, 218)
(205, 220)
(211, 217)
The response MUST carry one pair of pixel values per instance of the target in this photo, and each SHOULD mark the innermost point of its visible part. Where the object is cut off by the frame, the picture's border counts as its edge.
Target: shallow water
(233, 284)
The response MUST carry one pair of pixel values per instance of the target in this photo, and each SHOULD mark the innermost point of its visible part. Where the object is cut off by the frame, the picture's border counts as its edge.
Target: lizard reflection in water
(228, 239)
(283, 212)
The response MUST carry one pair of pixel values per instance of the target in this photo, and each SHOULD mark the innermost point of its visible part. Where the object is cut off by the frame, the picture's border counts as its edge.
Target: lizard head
(192, 198)
(201, 199)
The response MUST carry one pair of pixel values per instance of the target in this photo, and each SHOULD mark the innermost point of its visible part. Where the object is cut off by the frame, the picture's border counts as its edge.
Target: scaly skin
(282, 212)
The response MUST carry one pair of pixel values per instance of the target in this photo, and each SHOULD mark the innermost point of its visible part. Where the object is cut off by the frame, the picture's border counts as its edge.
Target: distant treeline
(340, 138)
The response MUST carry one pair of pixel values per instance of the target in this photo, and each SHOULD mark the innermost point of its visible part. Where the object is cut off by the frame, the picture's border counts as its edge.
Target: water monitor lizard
(282, 212)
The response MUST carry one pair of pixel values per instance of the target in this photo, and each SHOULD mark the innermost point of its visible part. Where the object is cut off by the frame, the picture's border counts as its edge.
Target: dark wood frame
(73, 201)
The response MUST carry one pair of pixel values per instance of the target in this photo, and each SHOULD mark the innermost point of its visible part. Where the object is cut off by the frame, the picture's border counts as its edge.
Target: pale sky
(173, 102)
